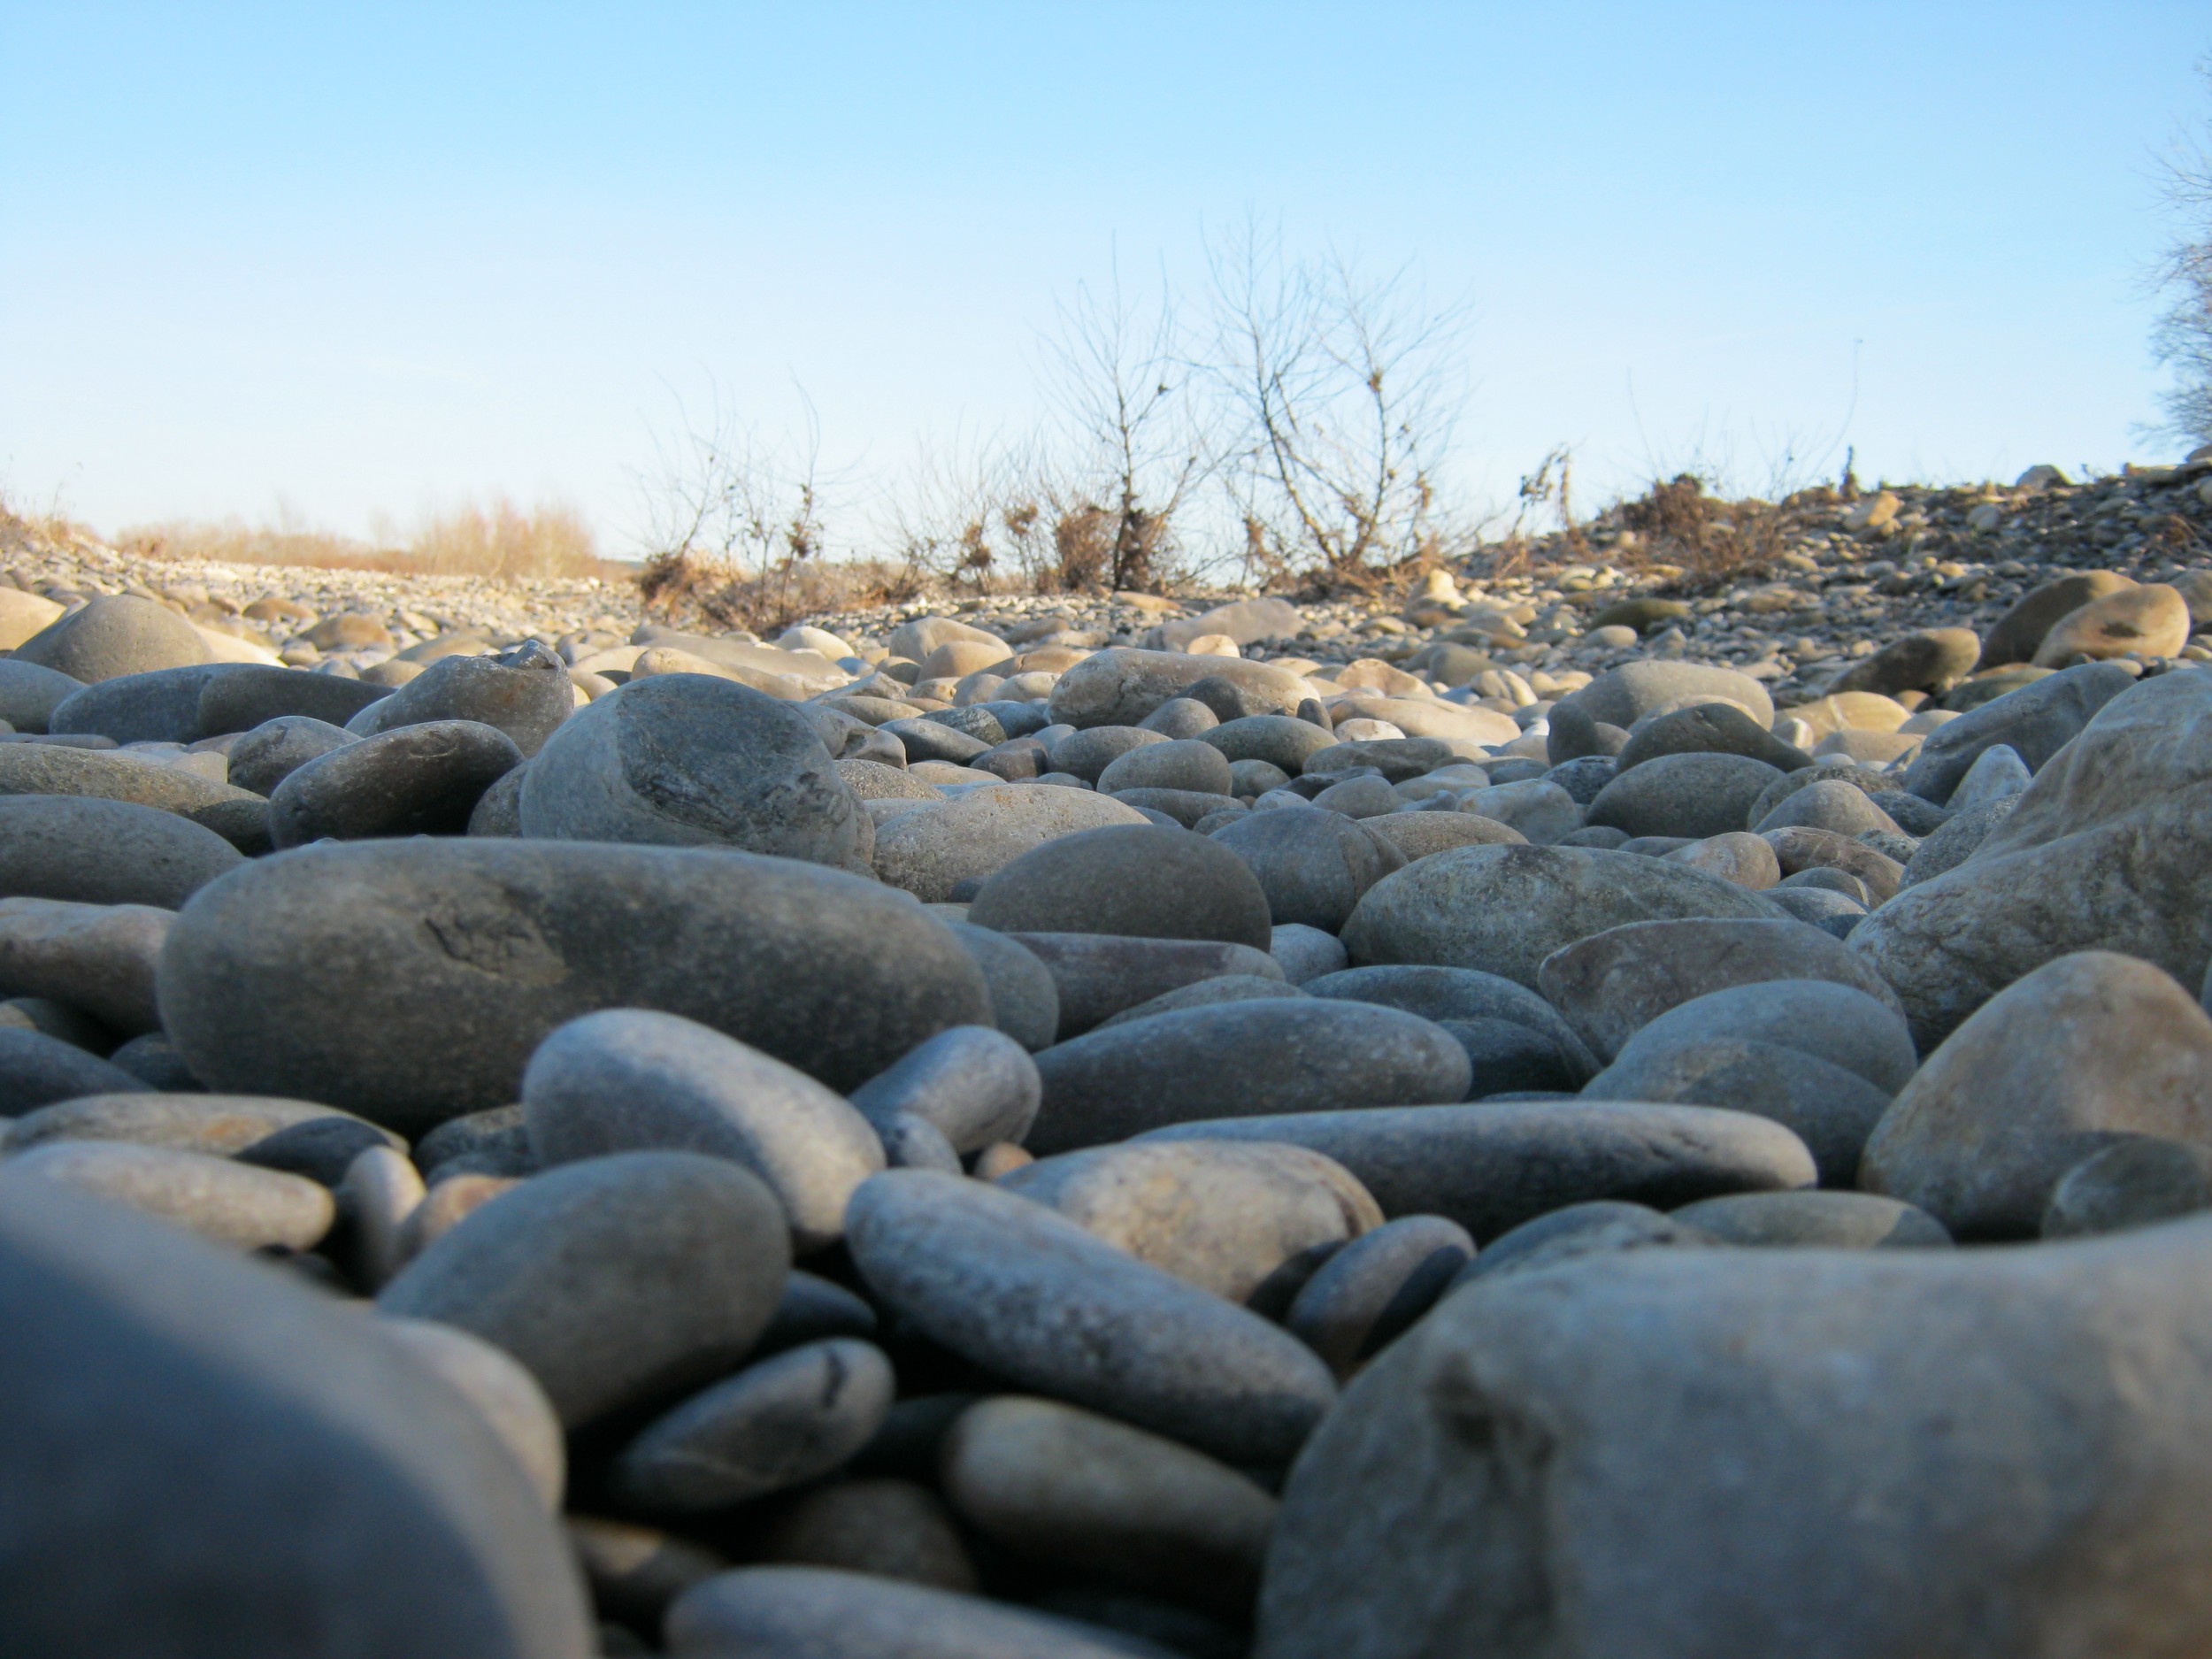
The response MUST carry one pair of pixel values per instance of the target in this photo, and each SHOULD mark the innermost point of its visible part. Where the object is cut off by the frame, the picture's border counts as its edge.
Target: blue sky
(357, 259)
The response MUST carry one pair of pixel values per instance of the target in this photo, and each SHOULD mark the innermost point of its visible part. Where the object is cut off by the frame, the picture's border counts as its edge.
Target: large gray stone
(1716, 728)
(214, 1198)
(968, 1265)
(411, 981)
(182, 705)
(46, 769)
(2020, 630)
(36, 1070)
(1366, 1294)
(821, 1613)
(632, 1080)
(1236, 1059)
(1223, 1216)
(1183, 764)
(1096, 976)
(1738, 1454)
(1623, 695)
(97, 958)
(618, 1282)
(525, 692)
(1121, 686)
(1836, 1023)
(419, 779)
(1068, 1488)
(266, 756)
(1313, 865)
(934, 848)
(1491, 1167)
(1503, 910)
(298, 1136)
(114, 636)
(975, 1084)
(1693, 795)
(2085, 1051)
(2107, 850)
(1452, 997)
(1139, 882)
(1280, 740)
(2035, 722)
(29, 694)
(202, 1460)
(688, 760)
(774, 1425)
(1025, 1002)
(1612, 985)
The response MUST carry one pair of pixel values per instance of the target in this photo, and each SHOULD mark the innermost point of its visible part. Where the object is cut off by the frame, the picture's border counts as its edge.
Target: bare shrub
(2183, 339)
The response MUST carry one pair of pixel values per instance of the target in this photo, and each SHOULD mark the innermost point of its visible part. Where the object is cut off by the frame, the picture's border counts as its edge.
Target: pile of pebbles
(937, 1141)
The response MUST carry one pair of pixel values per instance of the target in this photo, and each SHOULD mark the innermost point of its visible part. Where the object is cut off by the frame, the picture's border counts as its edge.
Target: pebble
(1227, 1217)
(1491, 1167)
(1129, 881)
(1600, 1227)
(523, 693)
(268, 754)
(1369, 1293)
(884, 1527)
(1065, 1487)
(418, 780)
(1829, 1221)
(974, 1084)
(98, 959)
(1233, 1059)
(1025, 1000)
(776, 1425)
(931, 850)
(616, 1282)
(221, 1201)
(1456, 997)
(636, 1080)
(967, 1262)
(29, 694)
(1096, 976)
(36, 1070)
(503, 1393)
(2135, 1182)
(113, 636)
(1312, 864)
(1689, 794)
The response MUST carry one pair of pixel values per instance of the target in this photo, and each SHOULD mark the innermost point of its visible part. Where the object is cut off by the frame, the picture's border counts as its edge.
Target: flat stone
(1368, 1294)
(1221, 1216)
(2031, 1482)
(774, 1425)
(806, 1612)
(240, 697)
(933, 849)
(1693, 795)
(97, 959)
(1454, 997)
(1120, 687)
(684, 760)
(189, 1430)
(45, 769)
(2021, 630)
(418, 780)
(484, 946)
(1421, 834)
(1491, 1167)
(2086, 1051)
(965, 1262)
(1610, 985)
(1068, 1488)
(1575, 1232)
(2106, 851)
(975, 1084)
(616, 1282)
(1235, 1059)
(524, 692)
(628, 1079)
(1098, 975)
(1827, 1221)
(1503, 910)
(220, 1201)
(114, 636)
(1831, 1109)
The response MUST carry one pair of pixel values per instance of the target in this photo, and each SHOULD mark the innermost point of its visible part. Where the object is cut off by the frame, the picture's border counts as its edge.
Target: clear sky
(358, 258)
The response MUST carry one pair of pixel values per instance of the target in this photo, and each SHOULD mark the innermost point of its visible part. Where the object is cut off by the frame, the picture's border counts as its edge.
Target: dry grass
(501, 541)
(681, 589)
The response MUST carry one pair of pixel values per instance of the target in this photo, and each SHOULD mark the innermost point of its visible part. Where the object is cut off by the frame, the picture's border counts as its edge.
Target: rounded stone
(1832, 805)
(2022, 629)
(1600, 1227)
(1419, 834)
(688, 760)
(1025, 1002)
(885, 1528)
(1693, 795)
(965, 1262)
(483, 947)
(1135, 882)
(504, 1393)
(776, 1425)
(1121, 686)
(1368, 1294)
(420, 779)
(525, 692)
(29, 694)
(1224, 1217)
(1182, 718)
(1232, 1059)
(1829, 1221)
(265, 756)
(114, 636)
(1838, 1023)
(222, 1201)
(627, 1079)
(2133, 1183)
(1455, 997)
(1623, 695)
(1098, 975)
(1715, 728)
(1931, 661)
(1493, 1166)
(1183, 764)
(36, 1070)
(1087, 754)
(1312, 865)
(2148, 620)
(106, 852)
(1068, 1488)
(616, 1282)
(931, 850)
(1503, 910)
(1282, 741)
(976, 1085)
(295, 1136)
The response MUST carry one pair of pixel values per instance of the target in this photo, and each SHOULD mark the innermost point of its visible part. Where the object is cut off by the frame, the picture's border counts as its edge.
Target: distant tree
(1345, 389)
(2183, 340)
